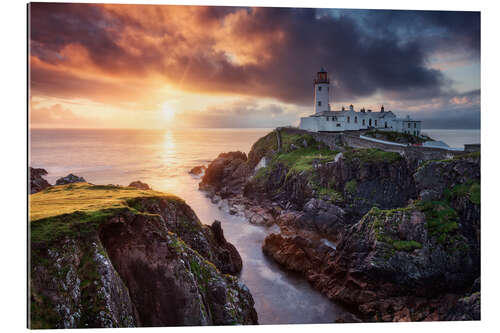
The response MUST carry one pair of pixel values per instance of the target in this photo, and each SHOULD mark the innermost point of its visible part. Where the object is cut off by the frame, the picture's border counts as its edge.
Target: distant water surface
(455, 138)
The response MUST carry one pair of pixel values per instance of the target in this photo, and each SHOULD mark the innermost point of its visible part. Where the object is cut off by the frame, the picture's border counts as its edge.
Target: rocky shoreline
(127, 257)
(395, 236)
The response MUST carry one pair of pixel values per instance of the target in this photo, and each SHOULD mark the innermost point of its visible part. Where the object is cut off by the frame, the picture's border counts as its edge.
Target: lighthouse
(321, 91)
(324, 119)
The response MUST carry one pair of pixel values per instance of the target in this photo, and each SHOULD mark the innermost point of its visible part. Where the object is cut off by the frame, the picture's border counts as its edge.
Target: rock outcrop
(226, 175)
(37, 182)
(198, 170)
(140, 185)
(407, 228)
(403, 264)
(139, 259)
(71, 178)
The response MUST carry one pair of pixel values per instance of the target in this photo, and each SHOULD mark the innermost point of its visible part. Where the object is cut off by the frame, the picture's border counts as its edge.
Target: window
(319, 88)
(338, 124)
(348, 119)
(409, 125)
(375, 122)
(356, 119)
(319, 103)
(327, 118)
(363, 122)
(414, 125)
(370, 122)
(385, 124)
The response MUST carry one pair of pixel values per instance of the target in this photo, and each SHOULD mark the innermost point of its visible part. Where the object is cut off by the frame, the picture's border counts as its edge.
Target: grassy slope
(306, 151)
(59, 209)
(397, 136)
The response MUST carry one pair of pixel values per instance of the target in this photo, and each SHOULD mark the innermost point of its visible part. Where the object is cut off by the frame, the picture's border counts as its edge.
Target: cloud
(111, 52)
(246, 113)
(449, 111)
(57, 115)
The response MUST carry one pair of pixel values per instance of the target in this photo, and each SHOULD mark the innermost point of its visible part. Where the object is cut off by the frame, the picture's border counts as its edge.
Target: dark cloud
(459, 111)
(372, 51)
(462, 118)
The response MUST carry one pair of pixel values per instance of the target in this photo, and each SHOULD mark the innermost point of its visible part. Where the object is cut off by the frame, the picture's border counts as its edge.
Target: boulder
(296, 253)
(71, 178)
(198, 170)
(140, 185)
(37, 182)
(226, 175)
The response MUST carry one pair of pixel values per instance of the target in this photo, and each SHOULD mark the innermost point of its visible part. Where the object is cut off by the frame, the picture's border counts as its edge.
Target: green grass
(83, 197)
(265, 145)
(470, 190)
(334, 196)
(385, 225)
(442, 220)
(476, 154)
(287, 139)
(407, 246)
(302, 159)
(351, 186)
(366, 155)
(397, 136)
(80, 207)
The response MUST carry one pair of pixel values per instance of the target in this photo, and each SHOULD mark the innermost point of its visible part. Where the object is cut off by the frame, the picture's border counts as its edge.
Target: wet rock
(295, 253)
(198, 170)
(467, 308)
(225, 257)
(226, 175)
(326, 217)
(37, 182)
(140, 185)
(71, 178)
(348, 318)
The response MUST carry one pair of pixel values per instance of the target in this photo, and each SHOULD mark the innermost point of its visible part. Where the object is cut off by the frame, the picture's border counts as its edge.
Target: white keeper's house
(326, 120)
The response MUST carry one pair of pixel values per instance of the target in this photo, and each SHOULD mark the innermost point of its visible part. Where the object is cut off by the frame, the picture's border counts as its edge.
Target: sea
(163, 158)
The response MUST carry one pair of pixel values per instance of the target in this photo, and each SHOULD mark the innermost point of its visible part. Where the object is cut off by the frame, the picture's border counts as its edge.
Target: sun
(168, 112)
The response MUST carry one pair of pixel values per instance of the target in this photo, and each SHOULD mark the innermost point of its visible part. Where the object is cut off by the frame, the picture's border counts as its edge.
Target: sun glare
(168, 112)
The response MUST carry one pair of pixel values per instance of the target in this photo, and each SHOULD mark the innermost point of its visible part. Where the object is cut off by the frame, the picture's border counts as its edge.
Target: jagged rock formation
(137, 258)
(71, 178)
(140, 185)
(37, 182)
(198, 170)
(408, 228)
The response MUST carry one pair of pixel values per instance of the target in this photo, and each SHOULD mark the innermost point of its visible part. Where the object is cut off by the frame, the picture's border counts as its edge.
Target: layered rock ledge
(395, 235)
(111, 256)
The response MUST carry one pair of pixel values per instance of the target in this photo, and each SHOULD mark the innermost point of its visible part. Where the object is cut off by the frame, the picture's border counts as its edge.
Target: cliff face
(407, 229)
(126, 257)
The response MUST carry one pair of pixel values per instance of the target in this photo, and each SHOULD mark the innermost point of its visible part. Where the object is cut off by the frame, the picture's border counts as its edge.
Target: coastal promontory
(113, 256)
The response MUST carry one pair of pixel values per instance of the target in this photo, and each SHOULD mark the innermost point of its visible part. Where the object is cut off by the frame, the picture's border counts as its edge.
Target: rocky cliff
(110, 256)
(407, 228)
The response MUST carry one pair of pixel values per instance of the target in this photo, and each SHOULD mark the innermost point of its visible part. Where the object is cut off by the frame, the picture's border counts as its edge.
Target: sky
(159, 66)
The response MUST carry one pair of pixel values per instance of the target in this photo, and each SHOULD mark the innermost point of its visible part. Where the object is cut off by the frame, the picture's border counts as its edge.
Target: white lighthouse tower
(321, 91)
